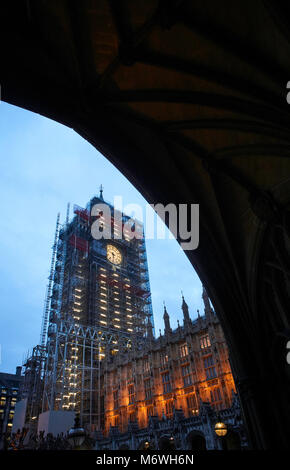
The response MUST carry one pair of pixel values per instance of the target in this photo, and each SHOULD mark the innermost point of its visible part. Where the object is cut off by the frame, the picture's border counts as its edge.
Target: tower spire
(166, 320)
(101, 192)
(207, 307)
(150, 330)
(184, 306)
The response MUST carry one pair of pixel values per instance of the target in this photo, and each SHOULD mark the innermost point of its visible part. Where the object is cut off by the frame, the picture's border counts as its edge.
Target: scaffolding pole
(44, 325)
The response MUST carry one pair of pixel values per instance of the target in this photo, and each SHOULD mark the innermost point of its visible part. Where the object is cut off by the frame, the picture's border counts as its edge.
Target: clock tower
(100, 307)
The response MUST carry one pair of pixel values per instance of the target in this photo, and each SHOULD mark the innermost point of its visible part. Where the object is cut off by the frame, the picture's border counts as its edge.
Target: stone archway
(166, 443)
(231, 441)
(196, 441)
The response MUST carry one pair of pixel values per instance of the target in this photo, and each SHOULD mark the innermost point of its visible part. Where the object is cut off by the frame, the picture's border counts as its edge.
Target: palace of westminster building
(171, 394)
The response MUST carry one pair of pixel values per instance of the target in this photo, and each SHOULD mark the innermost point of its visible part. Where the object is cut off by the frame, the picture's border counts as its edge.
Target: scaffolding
(46, 310)
(77, 359)
(32, 386)
(98, 313)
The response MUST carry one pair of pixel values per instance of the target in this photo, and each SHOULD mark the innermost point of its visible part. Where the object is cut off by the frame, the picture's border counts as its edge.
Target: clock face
(114, 255)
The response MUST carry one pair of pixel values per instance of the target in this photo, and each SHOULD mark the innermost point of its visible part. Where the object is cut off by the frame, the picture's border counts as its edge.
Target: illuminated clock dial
(114, 255)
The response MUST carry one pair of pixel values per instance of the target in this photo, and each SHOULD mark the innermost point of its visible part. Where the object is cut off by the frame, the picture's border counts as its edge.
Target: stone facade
(171, 394)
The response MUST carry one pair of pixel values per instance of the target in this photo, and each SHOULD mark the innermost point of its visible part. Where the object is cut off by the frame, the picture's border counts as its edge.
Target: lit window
(192, 403)
(163, 359)
(184, 350)
(205, 342)
(146, 365)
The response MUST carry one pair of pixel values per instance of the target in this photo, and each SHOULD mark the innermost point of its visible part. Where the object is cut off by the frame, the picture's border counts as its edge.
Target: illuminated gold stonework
(114, 255)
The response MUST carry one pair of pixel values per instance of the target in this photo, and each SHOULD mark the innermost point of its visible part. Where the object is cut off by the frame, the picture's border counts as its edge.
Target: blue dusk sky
(43, 166)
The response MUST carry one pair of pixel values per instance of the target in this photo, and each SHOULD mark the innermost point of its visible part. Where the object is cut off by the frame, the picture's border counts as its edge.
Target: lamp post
(221, 430)
(76, 434)
(172, 442)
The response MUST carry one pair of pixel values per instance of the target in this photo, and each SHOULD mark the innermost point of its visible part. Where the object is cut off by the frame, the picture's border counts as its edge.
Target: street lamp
(171, 442)
(76, 435)
(220, 428)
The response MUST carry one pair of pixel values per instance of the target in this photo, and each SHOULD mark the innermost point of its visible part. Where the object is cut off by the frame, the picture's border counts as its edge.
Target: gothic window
(148, 391)
(131, 393)
(187, 381)
(216, 398)
(146, 365)
(169, 409)
(166, 383)
(208, 361)
(204, 342)
(183, 350)
(163, 359)
(192, 403)
(209, 367)
(185, 371)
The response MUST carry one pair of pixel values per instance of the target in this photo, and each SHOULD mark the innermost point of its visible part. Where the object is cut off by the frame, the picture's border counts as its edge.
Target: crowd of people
(28, 440)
